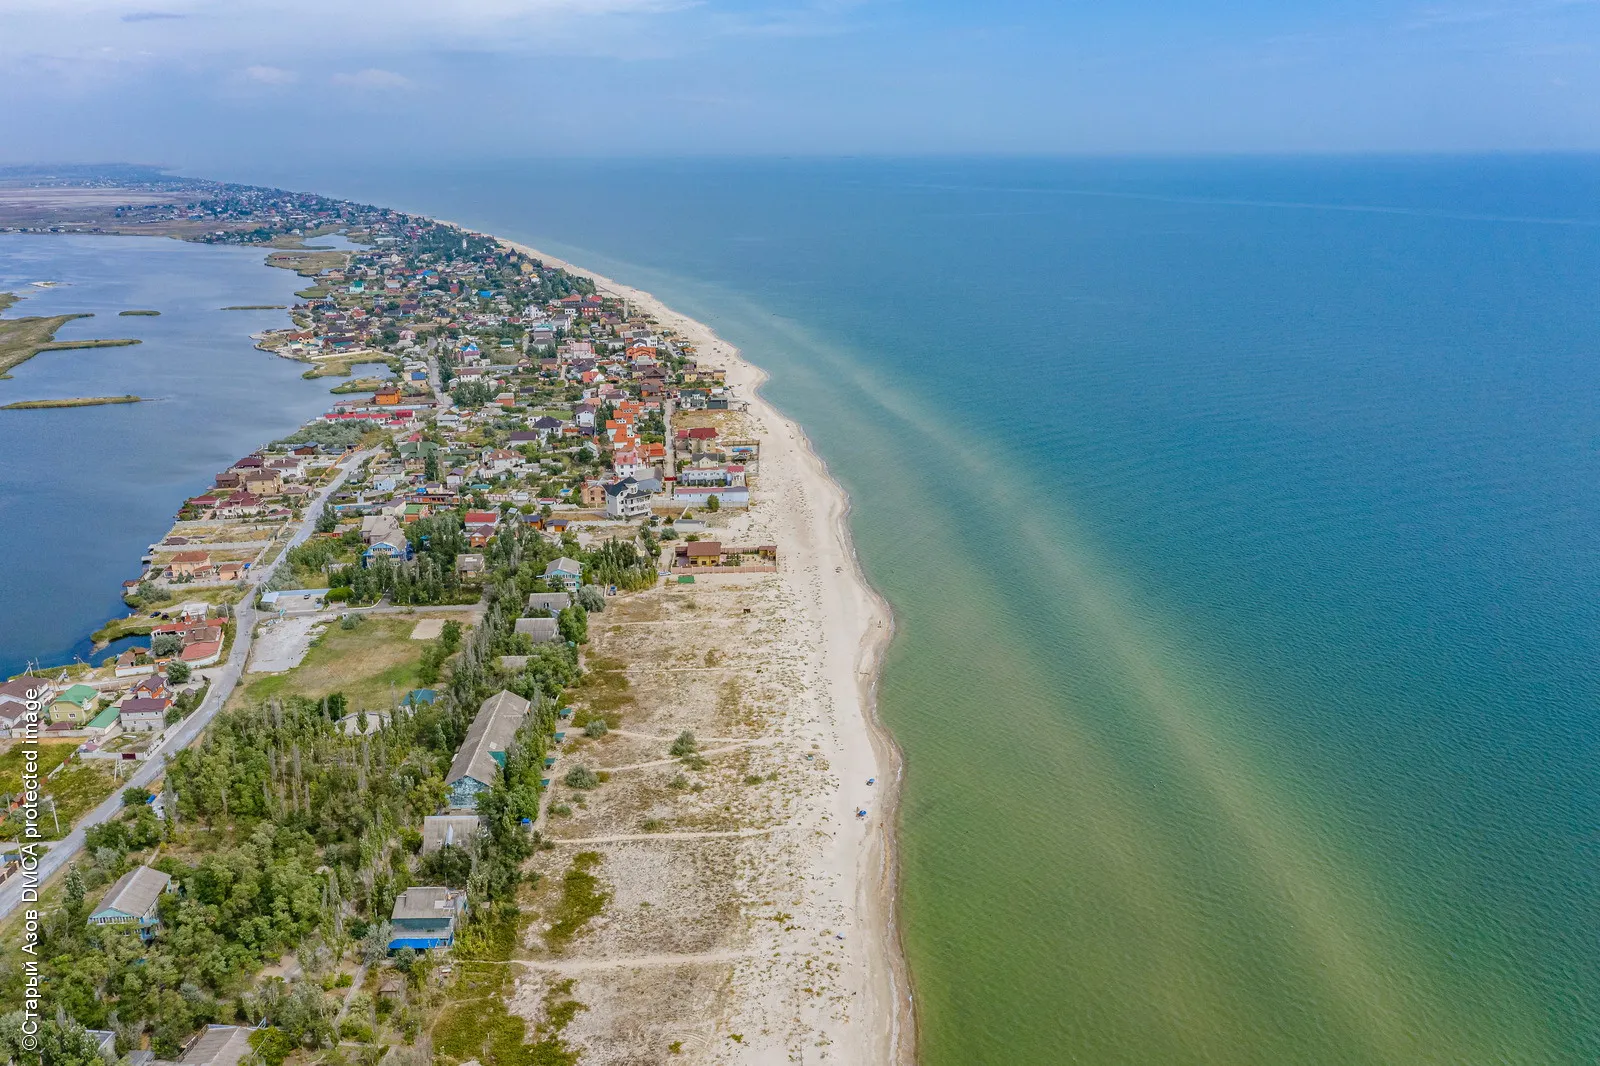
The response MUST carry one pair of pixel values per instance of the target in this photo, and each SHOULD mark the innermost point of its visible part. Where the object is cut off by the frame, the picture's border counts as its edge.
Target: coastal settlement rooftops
(542, 630)
(449, 830)
(133, 898)
(477, 764)
(219, 1045)
(554, 602)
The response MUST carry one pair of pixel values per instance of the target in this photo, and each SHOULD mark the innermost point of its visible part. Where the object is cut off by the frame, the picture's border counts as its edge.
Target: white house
(624, 499)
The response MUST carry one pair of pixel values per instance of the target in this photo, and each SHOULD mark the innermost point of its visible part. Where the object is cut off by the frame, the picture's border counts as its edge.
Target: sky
(196, 83)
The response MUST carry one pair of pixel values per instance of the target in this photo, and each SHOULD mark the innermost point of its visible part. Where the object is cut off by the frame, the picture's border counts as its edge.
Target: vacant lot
(373, 664)
(51, 755)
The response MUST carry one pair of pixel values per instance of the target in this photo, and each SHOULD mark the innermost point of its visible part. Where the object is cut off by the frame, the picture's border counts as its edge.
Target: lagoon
(83, 491)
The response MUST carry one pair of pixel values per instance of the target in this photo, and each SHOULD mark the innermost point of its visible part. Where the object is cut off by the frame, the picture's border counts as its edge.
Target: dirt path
(709, 751)
(628, 962)
(622, 838)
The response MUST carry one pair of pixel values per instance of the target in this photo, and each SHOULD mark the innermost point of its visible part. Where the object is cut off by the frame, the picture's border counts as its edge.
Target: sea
(1241, 522)
(84, 491)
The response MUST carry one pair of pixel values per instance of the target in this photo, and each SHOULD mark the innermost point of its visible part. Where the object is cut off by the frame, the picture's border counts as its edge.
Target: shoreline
(884, 980)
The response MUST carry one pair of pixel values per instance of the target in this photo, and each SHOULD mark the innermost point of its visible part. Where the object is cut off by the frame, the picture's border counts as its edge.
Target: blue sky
(198, 82)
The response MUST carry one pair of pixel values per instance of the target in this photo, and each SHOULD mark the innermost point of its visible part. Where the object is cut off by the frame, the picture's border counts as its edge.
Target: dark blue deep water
(83, 491)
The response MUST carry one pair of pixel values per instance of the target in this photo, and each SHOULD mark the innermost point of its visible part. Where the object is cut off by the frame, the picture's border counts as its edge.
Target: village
(392, 665)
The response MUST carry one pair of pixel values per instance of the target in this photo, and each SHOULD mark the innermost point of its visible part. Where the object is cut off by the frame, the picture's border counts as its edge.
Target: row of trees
(286, 832)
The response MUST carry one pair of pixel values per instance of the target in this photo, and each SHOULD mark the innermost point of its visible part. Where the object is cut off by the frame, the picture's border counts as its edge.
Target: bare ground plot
(703, 860)
(282, 644)
(685, 1000)
(428, 629)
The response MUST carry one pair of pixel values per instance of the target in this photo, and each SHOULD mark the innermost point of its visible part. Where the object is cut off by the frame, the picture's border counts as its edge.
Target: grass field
(74, 401)
(23, 338)
(51, 755)
(373, 665)
(76, 790)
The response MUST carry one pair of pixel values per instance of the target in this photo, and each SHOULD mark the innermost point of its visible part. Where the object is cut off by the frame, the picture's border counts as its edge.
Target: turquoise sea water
(1241, 524)
(83, 491)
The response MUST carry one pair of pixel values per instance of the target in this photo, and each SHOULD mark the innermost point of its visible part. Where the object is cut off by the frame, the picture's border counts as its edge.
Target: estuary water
(84, 490)
(1240, 520)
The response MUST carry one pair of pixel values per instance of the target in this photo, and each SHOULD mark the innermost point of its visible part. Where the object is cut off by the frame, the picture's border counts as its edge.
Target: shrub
(684, 745)
(596, 728)
(338, 595)
(591, 598)
(581, 777)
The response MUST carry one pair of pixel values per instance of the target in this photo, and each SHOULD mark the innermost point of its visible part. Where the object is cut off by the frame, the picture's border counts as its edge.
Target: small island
(257, 307)
(72, 401)
(127, 314)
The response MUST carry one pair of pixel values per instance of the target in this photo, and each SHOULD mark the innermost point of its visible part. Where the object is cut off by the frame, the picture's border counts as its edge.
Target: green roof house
(76, 705)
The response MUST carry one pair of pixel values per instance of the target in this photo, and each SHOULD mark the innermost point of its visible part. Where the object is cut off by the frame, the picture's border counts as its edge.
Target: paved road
(222, 684)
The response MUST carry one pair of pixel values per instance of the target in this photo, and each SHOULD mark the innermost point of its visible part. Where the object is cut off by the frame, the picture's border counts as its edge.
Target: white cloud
(372, 78)
(271, 75)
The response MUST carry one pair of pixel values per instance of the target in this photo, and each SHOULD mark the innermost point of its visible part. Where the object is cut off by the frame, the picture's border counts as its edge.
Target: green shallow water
(1240, 523)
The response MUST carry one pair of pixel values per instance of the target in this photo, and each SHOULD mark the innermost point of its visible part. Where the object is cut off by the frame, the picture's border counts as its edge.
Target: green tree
(573, 623)
(73, 894)
(178, 672)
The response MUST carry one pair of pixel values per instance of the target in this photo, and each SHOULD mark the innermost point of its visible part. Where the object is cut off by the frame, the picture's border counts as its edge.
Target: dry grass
(372, 664)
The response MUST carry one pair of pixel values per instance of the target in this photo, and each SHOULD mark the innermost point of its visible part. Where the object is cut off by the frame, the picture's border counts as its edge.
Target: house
(133, 900)
(387, 396)
(219, 1045)
(143, 715)
(103, 725)
(480, 526)
(425, 917)
(449, 830)
(542, 630)
(569, 572)
(385, 549)
(625, 500)
(470, 565)
(700, 495)
(75, 706)
(153, 687)
(698, 553)
(261, 482)
(554, 602)
(19, 698)
(203, 652)
(702, 554)
(477, 764)
(593, 493)
(190, 564)
(133, 662)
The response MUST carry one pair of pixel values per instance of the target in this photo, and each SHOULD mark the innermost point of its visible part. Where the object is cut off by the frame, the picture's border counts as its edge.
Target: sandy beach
(839, 911)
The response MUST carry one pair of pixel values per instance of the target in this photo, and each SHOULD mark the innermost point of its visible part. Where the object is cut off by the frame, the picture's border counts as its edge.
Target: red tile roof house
(190, 564)
(481, 522)
(202, 652)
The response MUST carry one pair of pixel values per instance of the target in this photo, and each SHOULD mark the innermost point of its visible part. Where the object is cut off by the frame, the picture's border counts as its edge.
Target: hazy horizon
(198, 84)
